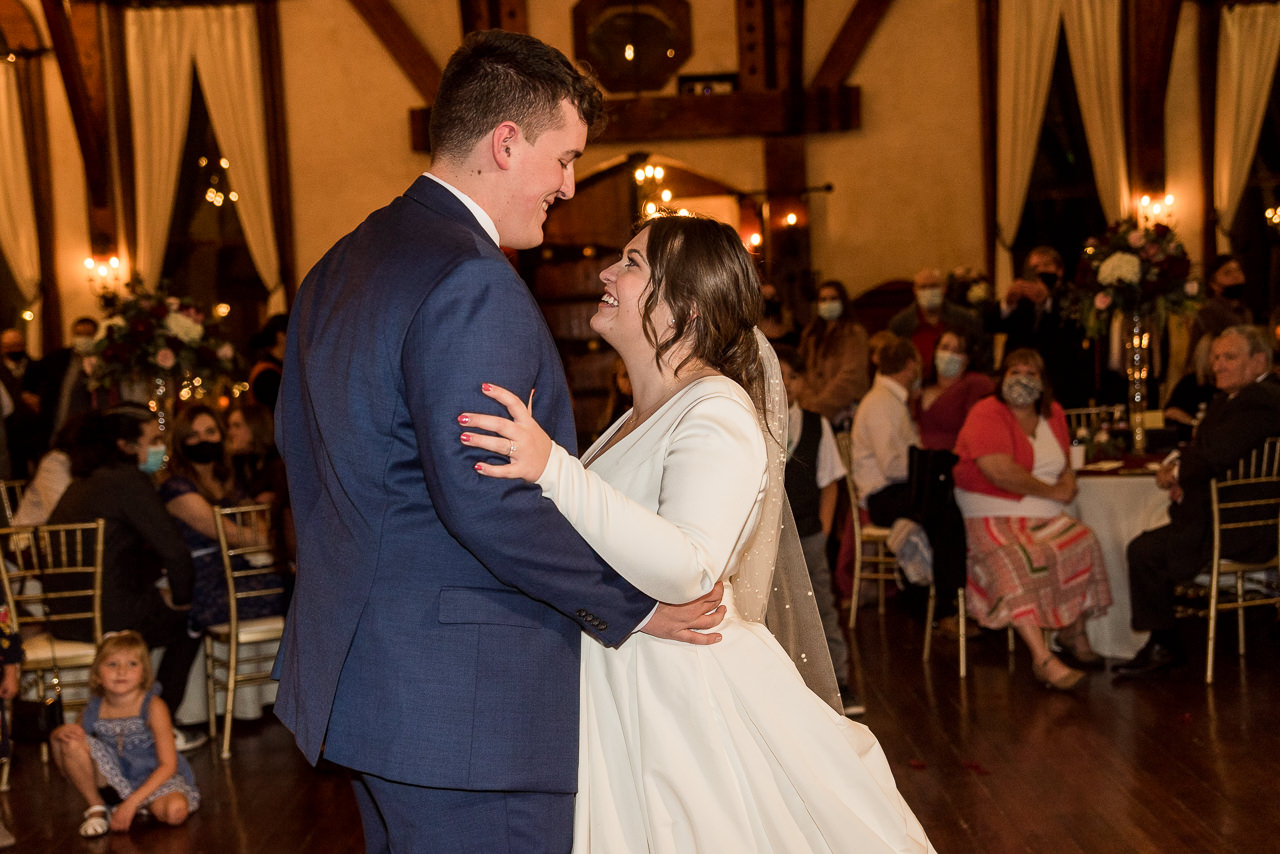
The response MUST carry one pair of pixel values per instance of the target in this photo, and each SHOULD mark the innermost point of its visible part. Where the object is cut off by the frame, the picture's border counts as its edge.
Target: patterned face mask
(1021, 390)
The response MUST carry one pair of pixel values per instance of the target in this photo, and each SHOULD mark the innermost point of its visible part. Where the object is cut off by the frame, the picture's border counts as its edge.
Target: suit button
(603, 625)
(582, 613)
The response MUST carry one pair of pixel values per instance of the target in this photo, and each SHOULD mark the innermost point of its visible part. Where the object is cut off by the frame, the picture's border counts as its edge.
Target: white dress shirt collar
(486, 221)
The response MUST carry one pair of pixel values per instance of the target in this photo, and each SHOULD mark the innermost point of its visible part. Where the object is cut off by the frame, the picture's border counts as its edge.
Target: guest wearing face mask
(63, 380)
(834, 349)
(200, 478)
(1031, 314)
(925, 319)
(944, 404)
(142, 551)
(1224, 305)
(1030, 564)
(882, 440)
(776, 320)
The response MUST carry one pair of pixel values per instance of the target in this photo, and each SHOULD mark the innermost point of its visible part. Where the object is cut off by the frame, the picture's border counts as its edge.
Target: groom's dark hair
(499, 76)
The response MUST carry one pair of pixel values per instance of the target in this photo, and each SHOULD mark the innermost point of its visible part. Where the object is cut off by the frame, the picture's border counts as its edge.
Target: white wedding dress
(707, 749)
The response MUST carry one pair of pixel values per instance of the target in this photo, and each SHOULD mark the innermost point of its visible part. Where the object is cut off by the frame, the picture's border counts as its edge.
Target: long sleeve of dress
(713, 473)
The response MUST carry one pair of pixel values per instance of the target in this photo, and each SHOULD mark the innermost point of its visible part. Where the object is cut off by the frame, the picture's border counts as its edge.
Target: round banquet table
(1118, 504)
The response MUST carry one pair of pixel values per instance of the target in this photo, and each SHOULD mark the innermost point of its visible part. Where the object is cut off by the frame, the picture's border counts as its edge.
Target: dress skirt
(1046, 572)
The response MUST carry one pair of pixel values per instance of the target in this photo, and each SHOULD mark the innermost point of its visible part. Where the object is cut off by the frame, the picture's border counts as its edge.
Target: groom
(432, 644)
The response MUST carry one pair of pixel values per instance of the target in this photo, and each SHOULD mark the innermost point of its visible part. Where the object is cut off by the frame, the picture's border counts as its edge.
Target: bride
(697, 748)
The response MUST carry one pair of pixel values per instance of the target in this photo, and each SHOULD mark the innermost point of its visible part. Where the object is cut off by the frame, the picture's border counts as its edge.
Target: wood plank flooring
(994, 763)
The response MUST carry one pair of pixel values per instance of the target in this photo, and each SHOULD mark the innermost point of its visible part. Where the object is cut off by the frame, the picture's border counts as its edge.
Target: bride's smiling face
(620, 316)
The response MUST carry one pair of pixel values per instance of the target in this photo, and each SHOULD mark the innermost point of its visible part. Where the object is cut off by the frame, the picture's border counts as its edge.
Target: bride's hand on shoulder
(519, 438)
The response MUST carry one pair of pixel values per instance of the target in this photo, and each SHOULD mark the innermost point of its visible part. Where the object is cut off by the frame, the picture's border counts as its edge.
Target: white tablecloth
(1118, 508)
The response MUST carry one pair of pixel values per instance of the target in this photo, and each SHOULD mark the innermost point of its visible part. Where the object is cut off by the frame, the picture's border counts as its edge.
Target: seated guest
(883, 434)
(142, 549)
(259, 471)
(51, 478)
(834, 348)
(200, 479)
(813, 477)
(1224, 305)
(944, 405)
(1030, 564)
(1191, 396)
(1243, 415)
(251, 445)
(925, 319)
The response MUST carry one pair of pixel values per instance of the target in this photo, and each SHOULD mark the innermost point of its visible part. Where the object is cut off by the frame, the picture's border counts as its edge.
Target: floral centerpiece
(153, 338)
(1134, 270)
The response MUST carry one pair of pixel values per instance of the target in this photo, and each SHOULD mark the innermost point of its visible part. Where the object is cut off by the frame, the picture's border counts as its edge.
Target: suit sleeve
(712, 476)
(482, 325)
(1246, 420)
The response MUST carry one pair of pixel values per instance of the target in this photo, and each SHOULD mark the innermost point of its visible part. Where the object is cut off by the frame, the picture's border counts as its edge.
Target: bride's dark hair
(701, 269)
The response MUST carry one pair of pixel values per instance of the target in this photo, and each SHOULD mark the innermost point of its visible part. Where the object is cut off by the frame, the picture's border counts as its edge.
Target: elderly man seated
(1244, 414)
(882, 439)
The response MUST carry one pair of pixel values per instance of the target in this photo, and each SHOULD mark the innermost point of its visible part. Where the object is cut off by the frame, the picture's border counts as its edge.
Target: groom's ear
(502, 139)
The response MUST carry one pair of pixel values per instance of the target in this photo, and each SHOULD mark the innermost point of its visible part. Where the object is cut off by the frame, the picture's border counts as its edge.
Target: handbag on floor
(34, 720)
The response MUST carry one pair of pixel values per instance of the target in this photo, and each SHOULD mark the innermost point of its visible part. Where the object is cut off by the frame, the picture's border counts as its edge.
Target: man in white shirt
(883, 436)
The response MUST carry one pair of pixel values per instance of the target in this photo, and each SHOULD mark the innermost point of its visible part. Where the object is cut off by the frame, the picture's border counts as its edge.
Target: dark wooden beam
(18, 27)
(405, 49)
(512, 15)
(737, 114)
(35, 132)
(988, 44)
(861, 24)
(754, 57)
(80, 61)
(271, 50)
(787, 246)
(1149, 29)
(1207, 58)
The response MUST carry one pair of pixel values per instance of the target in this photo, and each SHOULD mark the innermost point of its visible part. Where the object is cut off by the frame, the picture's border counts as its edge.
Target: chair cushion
(251, 631)
(44, 650)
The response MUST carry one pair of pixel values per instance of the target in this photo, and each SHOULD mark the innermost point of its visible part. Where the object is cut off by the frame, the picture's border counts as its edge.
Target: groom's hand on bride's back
(689, 622)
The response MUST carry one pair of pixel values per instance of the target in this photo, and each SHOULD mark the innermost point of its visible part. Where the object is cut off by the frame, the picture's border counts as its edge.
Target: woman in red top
(1029, 564)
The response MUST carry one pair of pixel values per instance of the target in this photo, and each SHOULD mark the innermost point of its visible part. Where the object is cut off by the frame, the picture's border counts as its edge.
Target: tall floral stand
(1137, 365)
(156, 393)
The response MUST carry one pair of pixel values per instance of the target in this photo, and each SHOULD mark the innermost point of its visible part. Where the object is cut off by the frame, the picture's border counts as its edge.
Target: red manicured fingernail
(486, 387)
(480, 467)
(463, 419)
(466, 437)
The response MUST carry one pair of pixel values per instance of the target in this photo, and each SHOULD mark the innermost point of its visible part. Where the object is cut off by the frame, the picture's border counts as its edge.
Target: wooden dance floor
(991, 764)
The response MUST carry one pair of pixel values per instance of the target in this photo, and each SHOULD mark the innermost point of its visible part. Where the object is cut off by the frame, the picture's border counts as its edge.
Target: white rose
(181, 326)
(1121, 267)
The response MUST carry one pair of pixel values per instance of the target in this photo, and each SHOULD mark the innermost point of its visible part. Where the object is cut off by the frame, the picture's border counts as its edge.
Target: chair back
(249, 556)
(10, 495)
(1091, 417)
(54, 574)
(1245, 503)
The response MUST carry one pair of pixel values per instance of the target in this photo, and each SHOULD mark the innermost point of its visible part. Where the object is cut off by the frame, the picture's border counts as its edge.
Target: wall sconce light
(1157, 211)
(104, 280)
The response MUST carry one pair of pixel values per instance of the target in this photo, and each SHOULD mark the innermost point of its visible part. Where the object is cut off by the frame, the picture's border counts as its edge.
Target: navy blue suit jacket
(434, 632)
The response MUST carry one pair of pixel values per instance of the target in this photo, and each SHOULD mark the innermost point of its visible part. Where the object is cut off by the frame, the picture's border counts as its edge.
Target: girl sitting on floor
(124, 741)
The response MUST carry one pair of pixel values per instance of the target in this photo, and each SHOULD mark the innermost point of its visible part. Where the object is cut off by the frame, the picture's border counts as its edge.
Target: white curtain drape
(1248, 45)
(19, 240)
(1092, 29)
(226, 57)
(158, 51)
(1028, 35)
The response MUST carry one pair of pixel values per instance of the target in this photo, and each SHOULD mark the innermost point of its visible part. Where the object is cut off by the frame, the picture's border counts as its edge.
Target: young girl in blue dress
(124, 741)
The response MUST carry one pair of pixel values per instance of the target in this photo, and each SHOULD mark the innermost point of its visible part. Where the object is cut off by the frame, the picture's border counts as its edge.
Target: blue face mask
(155, 459)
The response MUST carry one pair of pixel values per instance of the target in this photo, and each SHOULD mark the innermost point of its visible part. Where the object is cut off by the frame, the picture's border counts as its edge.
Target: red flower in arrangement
(149, 335)
(1132, 269)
